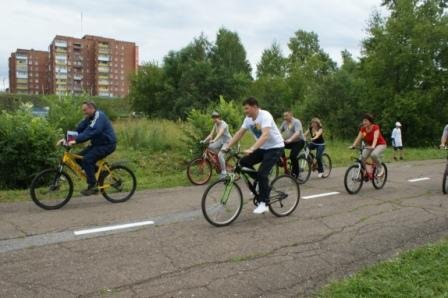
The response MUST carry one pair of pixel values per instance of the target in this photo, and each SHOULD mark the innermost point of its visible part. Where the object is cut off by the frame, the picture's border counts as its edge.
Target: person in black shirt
(317, 143)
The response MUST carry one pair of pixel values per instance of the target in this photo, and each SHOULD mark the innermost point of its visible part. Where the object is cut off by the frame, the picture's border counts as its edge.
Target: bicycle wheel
(326, 162)
(51, 189)
(379, 182)
(222, 202)
(353, 179)
(285, 196)
(199, 171)
(445, 181)
(304, 169)
(117, 185)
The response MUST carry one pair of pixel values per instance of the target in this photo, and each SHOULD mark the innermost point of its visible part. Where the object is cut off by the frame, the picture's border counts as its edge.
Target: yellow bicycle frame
(69, 160)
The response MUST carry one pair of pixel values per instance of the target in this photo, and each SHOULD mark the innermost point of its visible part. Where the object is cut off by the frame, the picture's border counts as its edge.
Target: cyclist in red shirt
(370, 133)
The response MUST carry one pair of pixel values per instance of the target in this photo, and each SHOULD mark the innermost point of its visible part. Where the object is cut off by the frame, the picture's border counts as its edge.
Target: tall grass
(150, 134)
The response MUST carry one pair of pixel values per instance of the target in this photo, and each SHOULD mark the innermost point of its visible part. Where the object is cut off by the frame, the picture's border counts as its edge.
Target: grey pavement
(181, 255)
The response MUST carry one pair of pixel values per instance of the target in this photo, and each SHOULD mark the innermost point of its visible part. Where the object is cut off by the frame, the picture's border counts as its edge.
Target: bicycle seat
(248, 170)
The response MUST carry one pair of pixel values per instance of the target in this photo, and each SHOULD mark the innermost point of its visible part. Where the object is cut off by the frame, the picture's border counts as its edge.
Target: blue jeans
(320, 148)
(92, 154)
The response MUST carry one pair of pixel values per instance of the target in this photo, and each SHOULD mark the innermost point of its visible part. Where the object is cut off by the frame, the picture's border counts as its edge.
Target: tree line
(401, 75)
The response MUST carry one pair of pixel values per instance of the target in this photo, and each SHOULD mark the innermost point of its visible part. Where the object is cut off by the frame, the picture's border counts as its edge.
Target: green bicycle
(222, 201)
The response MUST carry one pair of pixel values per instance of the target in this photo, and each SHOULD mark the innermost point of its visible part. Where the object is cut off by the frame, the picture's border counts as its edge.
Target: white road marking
(419, 179)
(321, 195)
(113, 228)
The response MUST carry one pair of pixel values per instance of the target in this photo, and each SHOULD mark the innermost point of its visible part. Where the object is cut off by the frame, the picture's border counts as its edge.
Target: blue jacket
(97, 129)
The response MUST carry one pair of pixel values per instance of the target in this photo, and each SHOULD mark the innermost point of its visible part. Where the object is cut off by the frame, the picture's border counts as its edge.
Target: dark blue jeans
(320, 148)
(92, 154)
(268, 159)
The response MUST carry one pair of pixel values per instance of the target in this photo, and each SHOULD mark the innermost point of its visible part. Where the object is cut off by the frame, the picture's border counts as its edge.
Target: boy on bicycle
(267, 149)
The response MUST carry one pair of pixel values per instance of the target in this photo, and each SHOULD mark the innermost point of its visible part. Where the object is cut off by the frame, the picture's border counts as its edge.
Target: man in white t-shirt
(397, 141)
(266, 150)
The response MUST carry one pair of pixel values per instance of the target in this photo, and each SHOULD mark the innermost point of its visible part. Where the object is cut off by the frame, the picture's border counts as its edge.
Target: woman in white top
(397, 141)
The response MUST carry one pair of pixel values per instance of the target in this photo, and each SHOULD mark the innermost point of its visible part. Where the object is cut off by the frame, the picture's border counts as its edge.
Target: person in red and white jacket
(370, 133)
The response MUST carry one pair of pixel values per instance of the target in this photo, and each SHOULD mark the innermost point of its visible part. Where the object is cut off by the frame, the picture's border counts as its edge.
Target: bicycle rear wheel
(326, 162)
(285, 196)
(199, 171)
(379, 182)
(304, 169)
(222, 202)
(353, 179)
(51, 189)
(117, 185)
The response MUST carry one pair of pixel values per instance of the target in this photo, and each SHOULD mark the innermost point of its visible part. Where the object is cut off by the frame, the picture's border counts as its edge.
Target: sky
(158, 26)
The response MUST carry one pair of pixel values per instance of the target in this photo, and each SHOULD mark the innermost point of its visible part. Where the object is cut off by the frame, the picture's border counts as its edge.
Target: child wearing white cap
(397, 141)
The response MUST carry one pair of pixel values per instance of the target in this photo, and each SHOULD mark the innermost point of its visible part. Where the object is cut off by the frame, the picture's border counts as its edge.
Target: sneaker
(380, 172)
(320, 175)
(222, 176)
(261, 208)
(89, 191)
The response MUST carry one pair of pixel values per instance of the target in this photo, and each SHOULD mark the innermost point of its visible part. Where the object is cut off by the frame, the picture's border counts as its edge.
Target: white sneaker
(222, 176)
(380, 172)
(320, 175)
(261, 208)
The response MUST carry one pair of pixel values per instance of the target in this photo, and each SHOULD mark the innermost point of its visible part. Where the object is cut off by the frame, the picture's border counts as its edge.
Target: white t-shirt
(396, 135)
(264, 119)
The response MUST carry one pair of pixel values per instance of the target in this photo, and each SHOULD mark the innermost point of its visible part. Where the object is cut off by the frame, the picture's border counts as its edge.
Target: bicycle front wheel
(379, 181)
(51, 189)
(445, 181)
(117, 185)
(199, 171)
(304, 169)
(285, 195)
(353, 179)
(222, 202)
(326, 162)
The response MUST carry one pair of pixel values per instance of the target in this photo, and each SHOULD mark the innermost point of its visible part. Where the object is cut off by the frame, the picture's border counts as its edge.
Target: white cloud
(158, 26)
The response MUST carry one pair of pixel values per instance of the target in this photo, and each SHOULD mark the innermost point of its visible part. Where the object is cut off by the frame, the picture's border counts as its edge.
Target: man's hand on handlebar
(61, 142)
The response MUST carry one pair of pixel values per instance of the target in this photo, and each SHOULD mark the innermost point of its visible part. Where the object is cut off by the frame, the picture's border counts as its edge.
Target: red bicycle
(200, 169)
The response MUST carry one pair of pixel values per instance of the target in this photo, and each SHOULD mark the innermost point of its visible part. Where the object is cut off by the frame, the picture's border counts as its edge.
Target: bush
(27, 146)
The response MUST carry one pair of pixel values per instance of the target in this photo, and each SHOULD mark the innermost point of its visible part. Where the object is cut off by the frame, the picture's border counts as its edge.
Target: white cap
(398, 124)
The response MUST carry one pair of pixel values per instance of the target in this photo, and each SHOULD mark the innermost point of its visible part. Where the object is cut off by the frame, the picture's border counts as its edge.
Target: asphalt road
(167, 249)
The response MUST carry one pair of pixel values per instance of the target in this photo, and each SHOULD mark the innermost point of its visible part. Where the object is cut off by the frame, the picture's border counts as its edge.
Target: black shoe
(91, 190)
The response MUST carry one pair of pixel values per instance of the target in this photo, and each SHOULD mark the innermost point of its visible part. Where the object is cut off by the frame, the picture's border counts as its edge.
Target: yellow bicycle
(53, 188)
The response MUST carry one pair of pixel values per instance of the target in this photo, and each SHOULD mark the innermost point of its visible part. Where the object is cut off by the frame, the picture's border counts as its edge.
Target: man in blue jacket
(97, 128)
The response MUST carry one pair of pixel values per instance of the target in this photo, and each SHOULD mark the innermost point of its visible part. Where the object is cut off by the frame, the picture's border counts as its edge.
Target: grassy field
(157, 152)
(422, 272)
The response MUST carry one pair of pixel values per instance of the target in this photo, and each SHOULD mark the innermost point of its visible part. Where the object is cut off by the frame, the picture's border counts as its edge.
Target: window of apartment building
(36, 81)
(36, 63)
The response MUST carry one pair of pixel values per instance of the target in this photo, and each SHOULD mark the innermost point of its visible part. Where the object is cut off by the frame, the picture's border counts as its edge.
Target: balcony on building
(104, 93)
(77, 77)
(21, 75)
(104, 58)
(103, 69)
(77, 64)
(61, 70)
(103, 82)
(61, 76)
(22, 57)
(60, 43)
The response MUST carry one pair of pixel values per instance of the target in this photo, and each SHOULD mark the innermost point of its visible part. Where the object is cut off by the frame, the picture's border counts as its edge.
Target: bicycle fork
(228, 189)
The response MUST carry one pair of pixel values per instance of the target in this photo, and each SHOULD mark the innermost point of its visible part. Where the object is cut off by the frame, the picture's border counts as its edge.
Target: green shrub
(27, 145)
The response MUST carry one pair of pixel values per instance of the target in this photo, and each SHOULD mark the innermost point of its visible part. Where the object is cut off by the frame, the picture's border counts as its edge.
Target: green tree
(272, 63)
(232, 70)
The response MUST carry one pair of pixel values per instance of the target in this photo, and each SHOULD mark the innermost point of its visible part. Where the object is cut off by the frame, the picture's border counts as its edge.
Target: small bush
(27, 146)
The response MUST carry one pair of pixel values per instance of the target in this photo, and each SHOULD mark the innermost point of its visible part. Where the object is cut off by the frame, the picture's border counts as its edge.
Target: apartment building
(28, 72)
(91, 65)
